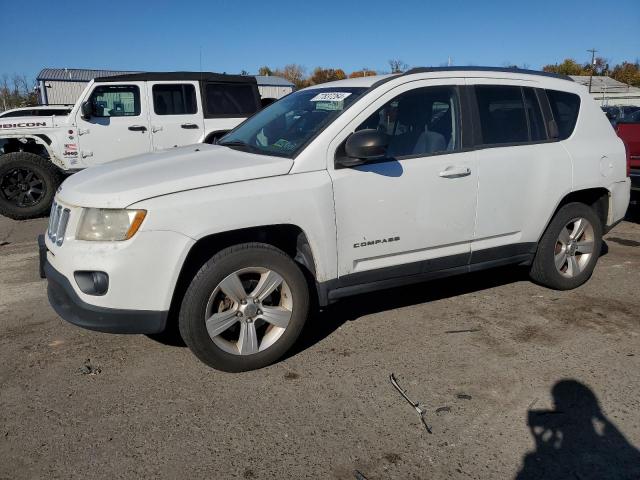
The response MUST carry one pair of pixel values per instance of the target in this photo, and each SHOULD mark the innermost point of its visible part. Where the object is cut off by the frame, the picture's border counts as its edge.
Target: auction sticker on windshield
(330, 97)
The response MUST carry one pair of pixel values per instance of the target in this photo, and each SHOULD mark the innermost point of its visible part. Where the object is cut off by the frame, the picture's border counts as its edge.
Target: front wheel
(245, 308)
(28, 184)
(569, 249)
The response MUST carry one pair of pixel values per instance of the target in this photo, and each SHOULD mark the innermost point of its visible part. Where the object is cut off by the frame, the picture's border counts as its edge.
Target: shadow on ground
(576, 440)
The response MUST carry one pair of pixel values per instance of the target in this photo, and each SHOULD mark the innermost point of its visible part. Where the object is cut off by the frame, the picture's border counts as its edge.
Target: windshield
(284, 127)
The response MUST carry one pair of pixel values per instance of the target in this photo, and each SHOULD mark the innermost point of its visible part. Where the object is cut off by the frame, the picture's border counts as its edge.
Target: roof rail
(487, 69)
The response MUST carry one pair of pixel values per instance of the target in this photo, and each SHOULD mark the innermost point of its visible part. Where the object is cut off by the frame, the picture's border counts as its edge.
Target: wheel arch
(597, 198)
(289, 238)
(43, 142)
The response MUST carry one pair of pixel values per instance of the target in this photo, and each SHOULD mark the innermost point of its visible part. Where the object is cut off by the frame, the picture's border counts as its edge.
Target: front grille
(58, 221)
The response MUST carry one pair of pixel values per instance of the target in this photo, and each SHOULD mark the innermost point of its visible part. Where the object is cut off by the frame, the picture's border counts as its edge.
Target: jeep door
(523, 173)
(412, 212)
(176, 113)
(118, 126)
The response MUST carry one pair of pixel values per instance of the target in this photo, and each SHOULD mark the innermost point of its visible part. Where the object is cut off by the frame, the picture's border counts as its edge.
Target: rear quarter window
(565, 107)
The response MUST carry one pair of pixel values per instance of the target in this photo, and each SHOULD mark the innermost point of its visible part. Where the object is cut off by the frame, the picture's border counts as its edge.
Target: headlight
(106, 224)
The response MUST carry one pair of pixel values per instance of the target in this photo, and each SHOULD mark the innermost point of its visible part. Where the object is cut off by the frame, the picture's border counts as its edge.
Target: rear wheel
(569, 248)
(245, 308)
(28, 184)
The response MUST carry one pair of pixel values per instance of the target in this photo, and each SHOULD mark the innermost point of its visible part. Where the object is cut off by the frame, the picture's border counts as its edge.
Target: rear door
(119, 126)
(175, 113)
(522, 173)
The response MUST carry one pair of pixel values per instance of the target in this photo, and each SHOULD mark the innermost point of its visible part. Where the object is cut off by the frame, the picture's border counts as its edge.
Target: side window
(423, 121)
(565, 107)
(174, 99)
(534, 114)
(116, 101)
(230, 99)
(502, 114)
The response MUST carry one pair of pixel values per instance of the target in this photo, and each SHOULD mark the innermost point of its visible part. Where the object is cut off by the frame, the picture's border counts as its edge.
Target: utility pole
(593, 61)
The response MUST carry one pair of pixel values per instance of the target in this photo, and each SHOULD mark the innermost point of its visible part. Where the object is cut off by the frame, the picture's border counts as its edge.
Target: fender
(39, 141)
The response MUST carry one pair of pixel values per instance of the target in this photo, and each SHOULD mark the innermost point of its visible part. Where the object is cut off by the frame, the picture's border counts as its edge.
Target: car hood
(121, 183)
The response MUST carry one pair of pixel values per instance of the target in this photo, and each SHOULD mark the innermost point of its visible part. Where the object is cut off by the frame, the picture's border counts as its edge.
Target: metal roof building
(63, 86)
(608, 91)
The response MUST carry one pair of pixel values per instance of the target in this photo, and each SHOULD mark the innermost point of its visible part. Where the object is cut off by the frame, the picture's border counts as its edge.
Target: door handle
(138, 128)
(189, 126)
(455, 172)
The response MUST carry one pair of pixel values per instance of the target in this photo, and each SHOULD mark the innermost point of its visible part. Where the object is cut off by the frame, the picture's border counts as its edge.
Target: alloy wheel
(574, 247)
(22, 187)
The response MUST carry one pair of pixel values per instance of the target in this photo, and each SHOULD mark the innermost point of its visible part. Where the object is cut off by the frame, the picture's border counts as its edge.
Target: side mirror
(87, 109)
(363, 146)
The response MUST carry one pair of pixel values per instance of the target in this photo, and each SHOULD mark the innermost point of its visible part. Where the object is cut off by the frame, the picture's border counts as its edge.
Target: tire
(28, 183)
(552, 249)
(206, 298)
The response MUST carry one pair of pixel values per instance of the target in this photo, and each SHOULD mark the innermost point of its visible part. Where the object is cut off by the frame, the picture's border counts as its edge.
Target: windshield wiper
(237, 143)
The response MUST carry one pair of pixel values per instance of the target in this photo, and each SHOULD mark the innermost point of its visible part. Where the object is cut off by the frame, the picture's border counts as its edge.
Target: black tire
(543, 269)
(192, 311)
(45, 178)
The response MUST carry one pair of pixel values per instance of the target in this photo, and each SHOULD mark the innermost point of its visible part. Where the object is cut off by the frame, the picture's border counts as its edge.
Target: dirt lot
(489, 351)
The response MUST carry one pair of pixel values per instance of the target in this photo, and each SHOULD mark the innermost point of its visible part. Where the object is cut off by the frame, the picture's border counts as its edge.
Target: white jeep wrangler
(338, 189)
(116, 117)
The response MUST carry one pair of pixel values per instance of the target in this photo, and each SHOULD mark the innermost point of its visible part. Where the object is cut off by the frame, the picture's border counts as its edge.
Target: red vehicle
(629, 131)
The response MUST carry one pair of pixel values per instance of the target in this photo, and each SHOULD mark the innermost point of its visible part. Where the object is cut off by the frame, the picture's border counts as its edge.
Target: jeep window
(174, 99)
(286, 126)
(534, 114)
(420, 122)
(565, 107)
(116, 101)
(230, 99)
(502, 115)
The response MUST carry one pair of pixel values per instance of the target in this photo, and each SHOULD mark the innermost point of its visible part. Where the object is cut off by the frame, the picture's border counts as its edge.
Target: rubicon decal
(23, 125)
(368, 243)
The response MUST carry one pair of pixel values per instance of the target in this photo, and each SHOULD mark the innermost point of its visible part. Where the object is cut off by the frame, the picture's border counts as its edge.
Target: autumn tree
(265, 71)
(568, 67)
(365, 72)
(323, 75)
(628, 73)
(16, 92)
(295, 73)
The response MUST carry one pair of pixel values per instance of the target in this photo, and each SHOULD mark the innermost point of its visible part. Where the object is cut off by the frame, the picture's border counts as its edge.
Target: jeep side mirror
(363, 146)
(87, 109)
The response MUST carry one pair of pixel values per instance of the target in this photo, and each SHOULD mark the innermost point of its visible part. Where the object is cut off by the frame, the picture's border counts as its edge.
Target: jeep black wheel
(28, 184)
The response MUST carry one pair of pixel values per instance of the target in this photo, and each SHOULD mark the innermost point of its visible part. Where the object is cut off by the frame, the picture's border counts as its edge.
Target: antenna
(593, 61)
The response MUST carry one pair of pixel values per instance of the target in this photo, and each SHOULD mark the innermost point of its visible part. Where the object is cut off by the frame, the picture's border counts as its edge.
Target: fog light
(92, 283)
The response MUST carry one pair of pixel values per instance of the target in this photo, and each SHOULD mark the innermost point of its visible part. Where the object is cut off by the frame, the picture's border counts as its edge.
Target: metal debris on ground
(466, 330)
(359, 476)
(464, 396)
(443, 409)
(415, 405)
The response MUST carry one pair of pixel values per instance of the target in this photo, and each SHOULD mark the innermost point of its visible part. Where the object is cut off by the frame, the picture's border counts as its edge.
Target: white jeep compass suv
(338, 189)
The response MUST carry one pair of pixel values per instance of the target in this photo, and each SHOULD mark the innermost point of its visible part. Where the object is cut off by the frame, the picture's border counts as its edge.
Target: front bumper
(66, 303)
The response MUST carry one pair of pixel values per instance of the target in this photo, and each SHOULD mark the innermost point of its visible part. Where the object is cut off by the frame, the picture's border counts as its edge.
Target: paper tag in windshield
(331, 97)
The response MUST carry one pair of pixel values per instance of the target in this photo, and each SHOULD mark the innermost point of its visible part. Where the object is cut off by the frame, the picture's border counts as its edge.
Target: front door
(176, 114)
(119, 126)
(414, 211)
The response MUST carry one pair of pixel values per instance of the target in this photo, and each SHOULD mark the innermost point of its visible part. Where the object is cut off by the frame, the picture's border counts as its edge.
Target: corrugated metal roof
(75, 74)
(603, 84)
(272, 80)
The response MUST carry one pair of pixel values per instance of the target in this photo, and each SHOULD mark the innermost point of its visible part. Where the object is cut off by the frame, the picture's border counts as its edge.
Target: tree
(568, 67)
(628, 73)
(365, 72)
(323, 75)
(294, 73)
(398, 66)
(15, 92)
(265, 71)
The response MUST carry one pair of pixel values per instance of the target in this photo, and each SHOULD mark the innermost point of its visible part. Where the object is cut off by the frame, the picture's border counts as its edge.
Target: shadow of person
(576, 440)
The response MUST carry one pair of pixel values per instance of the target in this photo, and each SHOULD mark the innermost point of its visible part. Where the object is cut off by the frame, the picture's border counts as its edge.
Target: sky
(231, 36)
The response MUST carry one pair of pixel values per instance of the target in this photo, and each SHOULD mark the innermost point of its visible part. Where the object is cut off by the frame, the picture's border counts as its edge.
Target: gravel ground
(487, 354)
